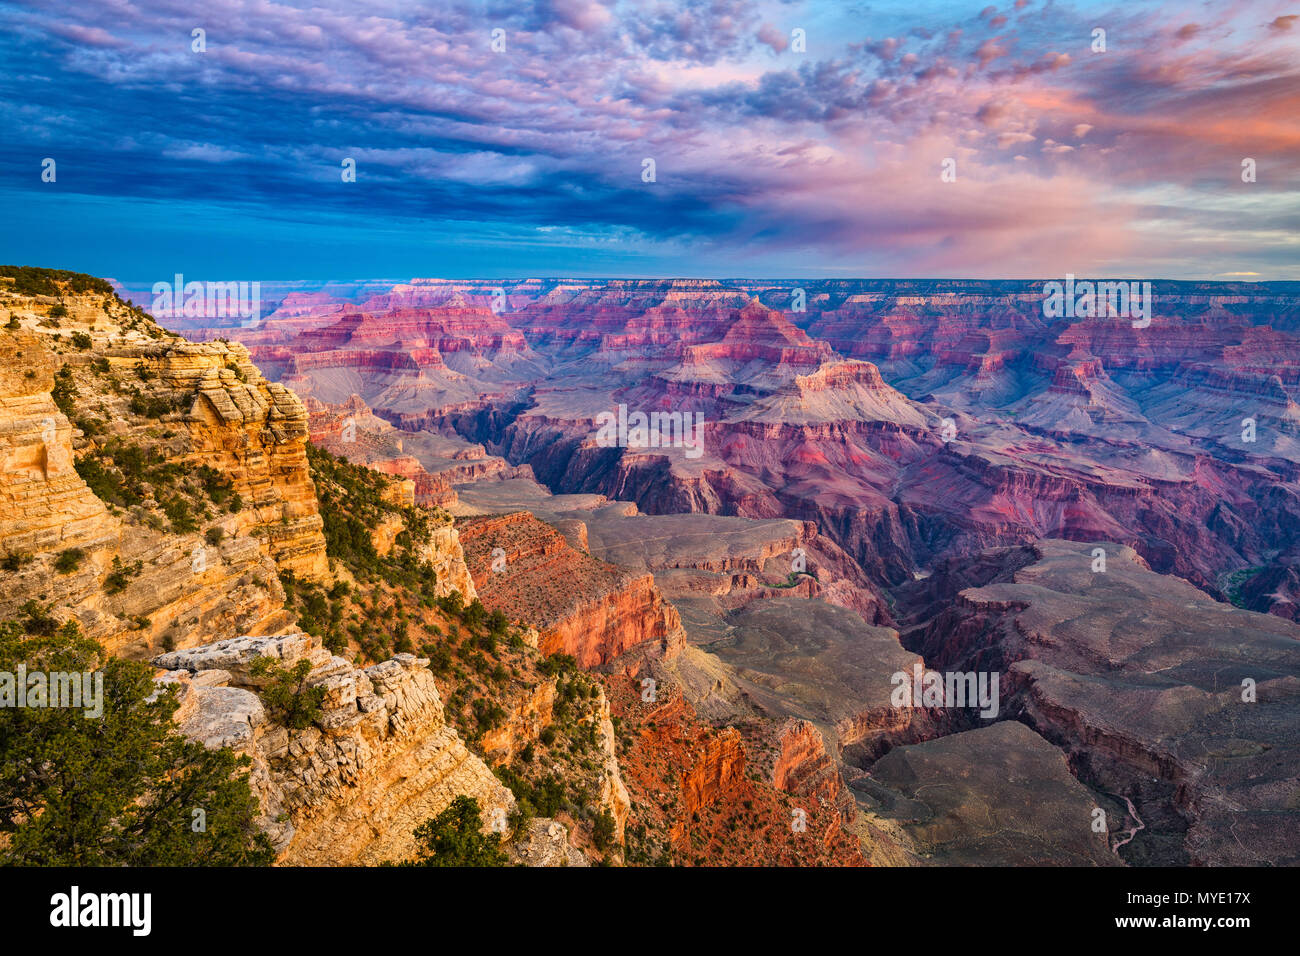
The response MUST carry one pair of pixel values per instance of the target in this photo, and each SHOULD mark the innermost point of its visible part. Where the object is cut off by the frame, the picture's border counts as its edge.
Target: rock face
(133, 586)
(590, 610)
(377, 762)
(806, 769)
(256, 431)
(445, 553)
(612, 793)
(546, 844)
(526, 718)
(45, 507)
(715, 773)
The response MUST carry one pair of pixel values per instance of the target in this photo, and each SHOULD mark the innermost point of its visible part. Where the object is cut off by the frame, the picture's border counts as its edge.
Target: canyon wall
(130, 584)
(582, 607)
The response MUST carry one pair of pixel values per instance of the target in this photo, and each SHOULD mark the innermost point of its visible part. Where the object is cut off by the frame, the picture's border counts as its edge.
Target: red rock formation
(719, 812)
(580, 606)
(1080, 427)
(715, 774)
(806, 769)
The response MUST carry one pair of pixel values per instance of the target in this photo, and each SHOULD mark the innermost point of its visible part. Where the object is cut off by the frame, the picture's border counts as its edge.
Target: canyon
(699, 644)
(868, 459)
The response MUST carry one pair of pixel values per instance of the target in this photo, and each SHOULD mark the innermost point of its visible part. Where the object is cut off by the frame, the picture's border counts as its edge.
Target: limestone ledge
(352, 787)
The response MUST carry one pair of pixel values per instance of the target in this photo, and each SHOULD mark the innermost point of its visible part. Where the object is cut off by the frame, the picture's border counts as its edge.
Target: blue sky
(770, 160)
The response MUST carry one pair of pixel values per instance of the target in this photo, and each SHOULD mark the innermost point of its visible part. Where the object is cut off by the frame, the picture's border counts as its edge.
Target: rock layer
(377, 762)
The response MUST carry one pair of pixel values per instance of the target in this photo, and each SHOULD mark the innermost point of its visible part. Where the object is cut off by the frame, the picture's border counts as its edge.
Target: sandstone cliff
(174, 438)
(45, 507)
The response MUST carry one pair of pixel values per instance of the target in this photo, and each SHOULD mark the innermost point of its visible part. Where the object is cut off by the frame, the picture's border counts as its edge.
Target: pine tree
(455, 838)
(122, 788)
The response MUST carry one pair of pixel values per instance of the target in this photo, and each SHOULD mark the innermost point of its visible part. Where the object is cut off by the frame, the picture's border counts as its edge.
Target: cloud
(85, 36)
(988, 51)
(1007, 140)
(583, 15)
(773, 37)
(822, 156)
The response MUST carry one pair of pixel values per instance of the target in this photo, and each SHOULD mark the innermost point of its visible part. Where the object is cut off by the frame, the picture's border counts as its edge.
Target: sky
(788, 139)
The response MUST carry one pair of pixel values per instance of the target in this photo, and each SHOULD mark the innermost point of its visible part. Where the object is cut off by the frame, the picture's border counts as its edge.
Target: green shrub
(439, 657)
(107, 485)
(215, 485)
(69, 560)
(15, 562)
(557, 664)
(488, 713)
(151, 406)
(455, 838)
(287, 695)
(117, 579)
(64, 391)
(602, 831)
(38, 619)
(179, 514)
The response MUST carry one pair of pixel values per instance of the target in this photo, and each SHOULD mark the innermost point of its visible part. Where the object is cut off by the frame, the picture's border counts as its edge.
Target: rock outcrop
(580, 606)
(546, 844)
(45, 507)
(804, 767)
(256, 432)
(351, 787)
(130, 584)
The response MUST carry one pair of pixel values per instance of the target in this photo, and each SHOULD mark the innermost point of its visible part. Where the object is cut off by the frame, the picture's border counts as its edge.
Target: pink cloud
(773, 37)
